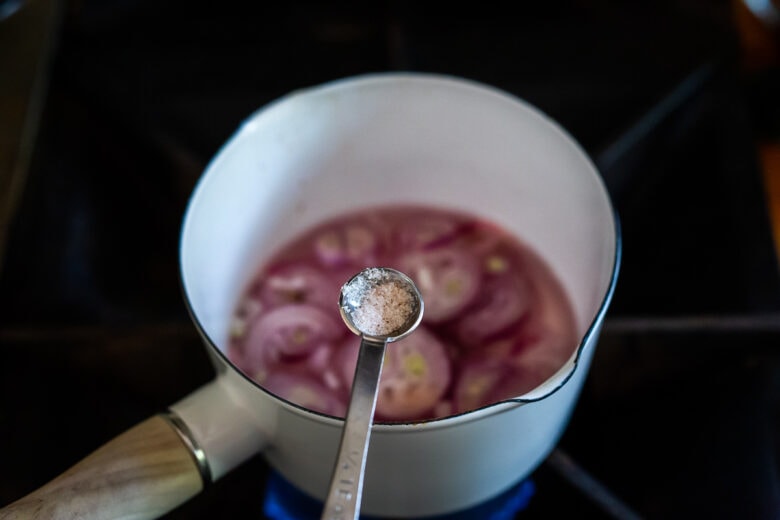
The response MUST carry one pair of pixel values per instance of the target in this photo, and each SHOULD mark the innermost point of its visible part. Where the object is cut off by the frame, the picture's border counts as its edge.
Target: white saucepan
(377, 139)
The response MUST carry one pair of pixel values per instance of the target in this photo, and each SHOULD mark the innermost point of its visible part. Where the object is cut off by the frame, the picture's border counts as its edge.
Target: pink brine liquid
(497, 322)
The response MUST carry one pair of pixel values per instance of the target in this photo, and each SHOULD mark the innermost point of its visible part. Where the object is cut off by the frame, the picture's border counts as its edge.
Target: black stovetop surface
(679, 416)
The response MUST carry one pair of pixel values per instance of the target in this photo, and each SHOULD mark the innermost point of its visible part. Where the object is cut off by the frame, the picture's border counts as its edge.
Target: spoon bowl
(364, 284)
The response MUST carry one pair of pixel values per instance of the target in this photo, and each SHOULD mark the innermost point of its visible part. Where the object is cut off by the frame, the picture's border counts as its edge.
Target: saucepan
(373, 140)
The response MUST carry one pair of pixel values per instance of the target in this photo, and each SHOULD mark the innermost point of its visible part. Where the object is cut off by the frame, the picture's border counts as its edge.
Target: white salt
(378, 304)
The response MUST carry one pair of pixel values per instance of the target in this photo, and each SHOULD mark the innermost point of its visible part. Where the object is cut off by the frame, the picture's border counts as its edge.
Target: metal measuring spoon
(381, 305)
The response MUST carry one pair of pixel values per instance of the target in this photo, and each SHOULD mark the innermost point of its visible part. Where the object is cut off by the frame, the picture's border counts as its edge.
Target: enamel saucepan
(379, 139)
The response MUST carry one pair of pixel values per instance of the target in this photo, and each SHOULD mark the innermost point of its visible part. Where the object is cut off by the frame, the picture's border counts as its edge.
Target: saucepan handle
(143, 473)
(153, 467)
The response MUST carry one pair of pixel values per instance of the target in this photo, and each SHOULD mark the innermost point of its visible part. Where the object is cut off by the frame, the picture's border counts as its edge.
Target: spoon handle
(346, 483)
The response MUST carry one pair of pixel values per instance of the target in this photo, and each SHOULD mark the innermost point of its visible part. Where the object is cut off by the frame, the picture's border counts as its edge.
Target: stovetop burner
(285, 502)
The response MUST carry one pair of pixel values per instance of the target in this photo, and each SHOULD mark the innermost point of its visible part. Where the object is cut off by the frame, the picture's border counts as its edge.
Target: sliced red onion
(304, 391)
(503, 301)
(476, 383)
(347, 244)
(448, 278)
(425, 230)
(490, 334)
(300, 283)
(487, 381)
(509, 367)
(415, 376)
(288, 333)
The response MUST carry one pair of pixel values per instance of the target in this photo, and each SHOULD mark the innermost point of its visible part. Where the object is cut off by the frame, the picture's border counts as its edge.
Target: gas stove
(679, 416)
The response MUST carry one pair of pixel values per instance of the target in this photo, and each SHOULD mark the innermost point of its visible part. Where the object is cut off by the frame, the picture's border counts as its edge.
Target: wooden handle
(143, 473)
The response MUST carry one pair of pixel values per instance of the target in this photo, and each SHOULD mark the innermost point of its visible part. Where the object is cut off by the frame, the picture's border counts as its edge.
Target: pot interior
(396, 139)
